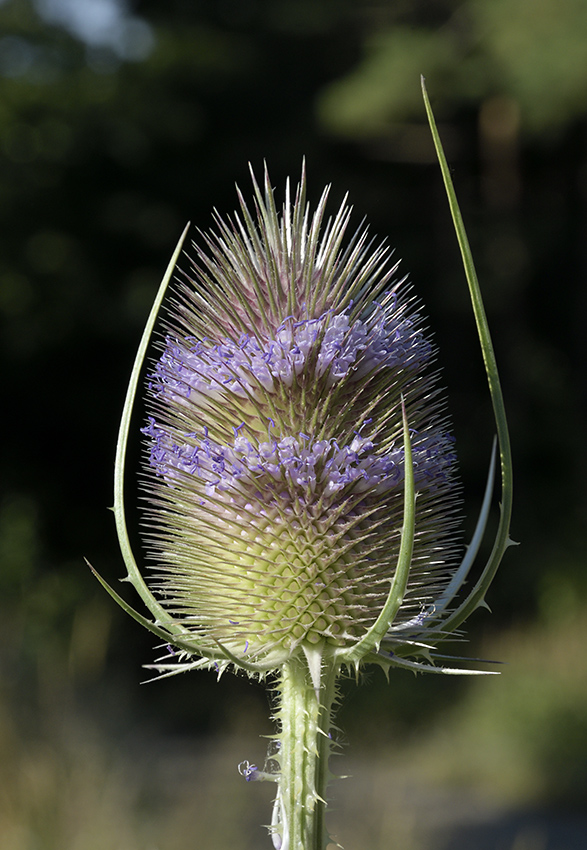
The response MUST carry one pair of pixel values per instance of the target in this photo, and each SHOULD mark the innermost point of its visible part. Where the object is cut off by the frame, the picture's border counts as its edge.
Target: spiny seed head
(275, 447)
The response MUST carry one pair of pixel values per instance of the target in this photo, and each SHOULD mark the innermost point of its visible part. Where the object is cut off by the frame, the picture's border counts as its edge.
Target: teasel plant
(302, 499)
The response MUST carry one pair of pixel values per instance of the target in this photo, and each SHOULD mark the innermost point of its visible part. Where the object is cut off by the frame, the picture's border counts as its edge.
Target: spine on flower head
(276, 456)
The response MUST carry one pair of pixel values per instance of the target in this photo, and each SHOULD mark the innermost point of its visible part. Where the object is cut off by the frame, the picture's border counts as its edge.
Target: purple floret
(322, 467)
(345, 350)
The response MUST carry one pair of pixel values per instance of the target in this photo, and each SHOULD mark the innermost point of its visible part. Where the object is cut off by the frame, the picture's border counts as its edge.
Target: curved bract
(502, 540)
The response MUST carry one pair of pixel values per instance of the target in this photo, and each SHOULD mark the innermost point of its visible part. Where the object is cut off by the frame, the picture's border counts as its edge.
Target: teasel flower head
(301, 498)
(276, 458)
(301, 487)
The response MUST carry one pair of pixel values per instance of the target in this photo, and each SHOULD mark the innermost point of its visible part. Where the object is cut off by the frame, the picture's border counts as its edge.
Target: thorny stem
(304, 718)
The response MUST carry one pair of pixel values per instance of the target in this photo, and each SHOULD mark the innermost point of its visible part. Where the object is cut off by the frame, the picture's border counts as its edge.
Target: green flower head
(276, 468)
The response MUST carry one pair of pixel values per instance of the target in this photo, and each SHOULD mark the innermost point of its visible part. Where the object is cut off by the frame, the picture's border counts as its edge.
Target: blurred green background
(118, 123)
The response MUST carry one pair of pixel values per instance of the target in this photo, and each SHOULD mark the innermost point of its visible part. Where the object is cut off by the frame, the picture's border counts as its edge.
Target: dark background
(112, 137)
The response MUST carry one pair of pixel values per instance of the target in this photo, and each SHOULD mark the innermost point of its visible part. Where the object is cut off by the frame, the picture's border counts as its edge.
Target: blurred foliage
(532, 51)
(106, 151)
(523, 737)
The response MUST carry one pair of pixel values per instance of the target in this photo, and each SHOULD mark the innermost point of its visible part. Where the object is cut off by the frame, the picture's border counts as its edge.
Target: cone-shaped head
(276, 462)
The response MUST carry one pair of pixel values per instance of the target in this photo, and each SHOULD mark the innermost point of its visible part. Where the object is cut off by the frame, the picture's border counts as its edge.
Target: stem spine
(304, 716)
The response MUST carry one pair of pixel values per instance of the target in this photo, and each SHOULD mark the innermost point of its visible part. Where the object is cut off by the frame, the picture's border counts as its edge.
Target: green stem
(304, 717)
